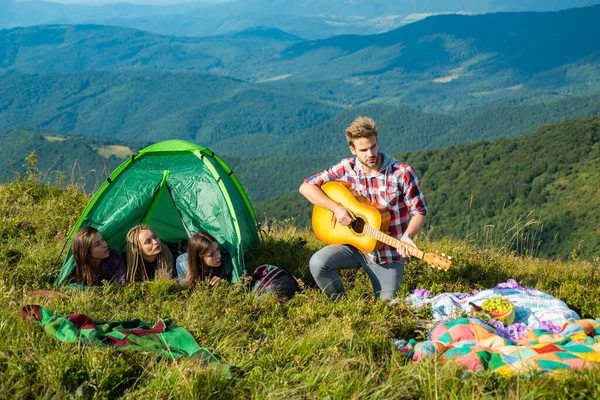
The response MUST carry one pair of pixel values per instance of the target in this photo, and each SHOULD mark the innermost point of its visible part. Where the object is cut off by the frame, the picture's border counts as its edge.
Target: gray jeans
(324, 264)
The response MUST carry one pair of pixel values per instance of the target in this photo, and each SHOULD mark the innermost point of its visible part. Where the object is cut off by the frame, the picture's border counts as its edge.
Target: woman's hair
(81, 247)
(136, 270)
(199, 245)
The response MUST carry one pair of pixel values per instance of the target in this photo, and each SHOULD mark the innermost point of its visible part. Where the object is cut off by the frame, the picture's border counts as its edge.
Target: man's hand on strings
(344, 216)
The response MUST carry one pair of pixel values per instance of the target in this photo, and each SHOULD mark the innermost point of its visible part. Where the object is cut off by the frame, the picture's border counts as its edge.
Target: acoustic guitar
(366, 232)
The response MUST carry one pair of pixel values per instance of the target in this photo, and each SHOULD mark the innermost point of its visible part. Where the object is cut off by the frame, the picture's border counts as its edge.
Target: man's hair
(362, 127)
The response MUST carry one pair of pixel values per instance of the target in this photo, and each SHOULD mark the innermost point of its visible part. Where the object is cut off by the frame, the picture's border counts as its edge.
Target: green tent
(178, 188)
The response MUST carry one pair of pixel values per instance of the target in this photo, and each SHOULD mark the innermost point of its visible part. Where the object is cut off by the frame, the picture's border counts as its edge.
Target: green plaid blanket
(163, 337)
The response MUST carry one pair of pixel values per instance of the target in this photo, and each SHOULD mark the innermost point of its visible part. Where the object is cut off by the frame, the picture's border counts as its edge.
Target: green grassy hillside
(310, 348)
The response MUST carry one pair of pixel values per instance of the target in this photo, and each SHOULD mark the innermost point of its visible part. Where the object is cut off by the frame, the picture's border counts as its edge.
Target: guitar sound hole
(358, 225)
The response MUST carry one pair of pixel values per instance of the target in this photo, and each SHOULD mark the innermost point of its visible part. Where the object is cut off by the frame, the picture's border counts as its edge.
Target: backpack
(271, 279)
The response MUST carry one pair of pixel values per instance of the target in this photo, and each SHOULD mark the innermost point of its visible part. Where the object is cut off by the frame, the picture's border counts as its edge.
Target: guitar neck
(387, 239)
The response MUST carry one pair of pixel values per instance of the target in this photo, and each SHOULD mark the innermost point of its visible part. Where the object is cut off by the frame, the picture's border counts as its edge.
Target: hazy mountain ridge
(76, 48)
(470, 60)
(311, 19)
(526, 42)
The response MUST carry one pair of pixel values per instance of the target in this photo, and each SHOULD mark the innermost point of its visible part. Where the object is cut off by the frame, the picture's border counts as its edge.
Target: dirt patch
(113, 150)
(54, 138)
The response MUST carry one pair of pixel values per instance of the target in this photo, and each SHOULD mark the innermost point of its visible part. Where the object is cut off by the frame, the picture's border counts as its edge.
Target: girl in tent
(203, 260)
(148, 257)
(95, 263)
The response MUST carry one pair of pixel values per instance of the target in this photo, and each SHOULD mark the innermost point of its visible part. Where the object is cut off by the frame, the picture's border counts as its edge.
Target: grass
(310, 348)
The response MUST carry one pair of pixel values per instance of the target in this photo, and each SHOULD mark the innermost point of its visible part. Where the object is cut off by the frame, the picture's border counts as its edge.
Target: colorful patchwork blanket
(164, 337)
(475, 345)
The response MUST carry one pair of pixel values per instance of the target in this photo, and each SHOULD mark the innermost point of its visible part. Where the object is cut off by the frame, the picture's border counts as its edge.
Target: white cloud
(419, 16)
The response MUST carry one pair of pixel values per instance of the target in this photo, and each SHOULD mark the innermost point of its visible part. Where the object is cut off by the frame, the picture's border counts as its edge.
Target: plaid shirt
(395, 186)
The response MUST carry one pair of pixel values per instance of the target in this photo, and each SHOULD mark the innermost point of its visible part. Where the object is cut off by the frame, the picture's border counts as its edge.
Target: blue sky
(151, 2)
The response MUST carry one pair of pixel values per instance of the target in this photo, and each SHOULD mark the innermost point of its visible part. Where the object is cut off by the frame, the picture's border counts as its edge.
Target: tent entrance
(163, 216)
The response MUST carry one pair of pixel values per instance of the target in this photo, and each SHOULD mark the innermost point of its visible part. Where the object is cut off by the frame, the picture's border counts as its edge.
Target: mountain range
(244, 119)
(308, 19)
(442, 64)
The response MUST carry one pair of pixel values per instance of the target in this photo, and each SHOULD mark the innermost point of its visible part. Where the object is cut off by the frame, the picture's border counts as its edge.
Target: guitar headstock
(438, 261)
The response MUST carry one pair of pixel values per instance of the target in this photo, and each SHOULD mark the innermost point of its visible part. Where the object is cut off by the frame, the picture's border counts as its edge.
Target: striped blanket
(475, 345)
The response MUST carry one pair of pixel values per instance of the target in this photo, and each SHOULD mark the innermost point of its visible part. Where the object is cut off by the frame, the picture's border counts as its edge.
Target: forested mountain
(456, 62)
(495, 41)
(68, 48)
(445, 63)
(406, 130)
(402, 129)
(509, 121)
(310, 19)
(63, 159)
(536, 193)
(243, 119)
(152, 106)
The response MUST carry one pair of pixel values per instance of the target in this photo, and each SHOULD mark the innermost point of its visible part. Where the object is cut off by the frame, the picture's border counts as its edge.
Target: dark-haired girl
(95, 263)
(203, 260)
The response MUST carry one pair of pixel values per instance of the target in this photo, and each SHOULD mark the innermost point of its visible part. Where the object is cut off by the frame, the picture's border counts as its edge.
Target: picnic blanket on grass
(533, 308)
(475, 345)
(164, 337)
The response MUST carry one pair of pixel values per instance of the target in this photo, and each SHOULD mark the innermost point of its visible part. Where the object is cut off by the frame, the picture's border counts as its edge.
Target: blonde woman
(148, 258)
(95, 263)
(203, 260)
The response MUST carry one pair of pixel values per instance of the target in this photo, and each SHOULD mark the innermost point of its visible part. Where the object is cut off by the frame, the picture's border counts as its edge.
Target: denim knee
(316, 264)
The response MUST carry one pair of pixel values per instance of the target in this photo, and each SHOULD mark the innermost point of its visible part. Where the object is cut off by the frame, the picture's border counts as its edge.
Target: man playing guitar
(385, 182)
